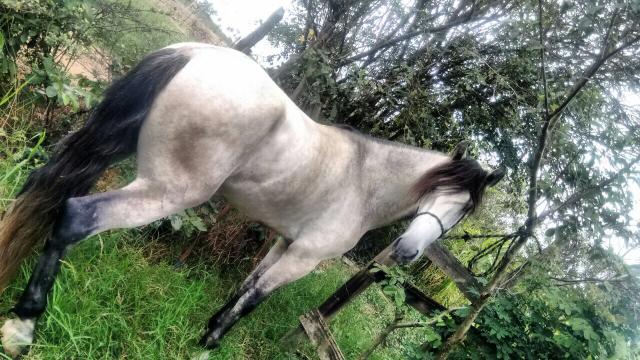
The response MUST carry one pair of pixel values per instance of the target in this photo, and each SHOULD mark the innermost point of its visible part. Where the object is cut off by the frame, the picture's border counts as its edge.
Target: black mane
(454, 176)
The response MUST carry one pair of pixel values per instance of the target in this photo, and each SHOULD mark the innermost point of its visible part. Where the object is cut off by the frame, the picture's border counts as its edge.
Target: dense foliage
(540, 88)
(544, 321)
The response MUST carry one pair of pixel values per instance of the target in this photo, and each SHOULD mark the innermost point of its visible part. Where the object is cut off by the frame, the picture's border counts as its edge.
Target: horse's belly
(279, 210)
(292, 178)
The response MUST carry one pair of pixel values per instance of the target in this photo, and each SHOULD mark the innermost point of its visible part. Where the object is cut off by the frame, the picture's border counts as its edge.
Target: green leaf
(584, 326)
(51, 91)
(176, 222)
(462, 312)
(474, 291)
(198, 223)
(432, 337)
(74, 102)
(65, 99)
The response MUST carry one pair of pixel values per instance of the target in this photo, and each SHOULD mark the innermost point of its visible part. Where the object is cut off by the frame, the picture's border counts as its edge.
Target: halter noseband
(442, 230)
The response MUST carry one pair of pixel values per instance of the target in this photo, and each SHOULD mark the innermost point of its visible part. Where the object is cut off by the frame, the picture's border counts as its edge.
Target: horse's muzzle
(404, 253)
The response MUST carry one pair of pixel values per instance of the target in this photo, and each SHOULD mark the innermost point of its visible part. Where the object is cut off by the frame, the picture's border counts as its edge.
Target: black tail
(110, 134)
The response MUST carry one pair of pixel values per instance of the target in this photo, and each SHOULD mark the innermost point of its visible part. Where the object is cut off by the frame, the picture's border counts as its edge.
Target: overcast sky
(238, 18)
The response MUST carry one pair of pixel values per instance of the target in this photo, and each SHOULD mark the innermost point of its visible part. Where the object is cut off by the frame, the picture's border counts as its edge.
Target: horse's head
(446, 193)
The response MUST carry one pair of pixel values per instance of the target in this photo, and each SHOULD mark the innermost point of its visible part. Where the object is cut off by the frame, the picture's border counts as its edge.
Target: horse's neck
(390, 172)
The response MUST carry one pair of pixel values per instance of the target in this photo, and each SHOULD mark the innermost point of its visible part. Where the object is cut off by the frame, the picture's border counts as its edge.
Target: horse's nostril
(404, 253)
(411, 257)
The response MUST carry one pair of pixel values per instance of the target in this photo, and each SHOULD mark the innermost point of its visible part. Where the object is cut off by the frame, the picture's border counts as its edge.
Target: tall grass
(112, 302)
(20, 145)
(142, 26)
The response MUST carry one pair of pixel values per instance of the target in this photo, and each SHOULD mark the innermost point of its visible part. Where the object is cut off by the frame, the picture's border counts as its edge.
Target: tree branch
(250, 40)
(451, 266)
(458, 20)
(544, 135)
(576, 197)
(590, 280)
(542, 62)
(587, 75)
(396, 324)
(480, 236)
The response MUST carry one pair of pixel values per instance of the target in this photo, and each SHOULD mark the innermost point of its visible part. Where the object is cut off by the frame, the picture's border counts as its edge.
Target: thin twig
(542, 62)
(467, 236)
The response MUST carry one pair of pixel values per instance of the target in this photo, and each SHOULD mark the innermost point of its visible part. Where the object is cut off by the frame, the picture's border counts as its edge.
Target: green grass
(112, 302)
(142, 26)
(162, 31)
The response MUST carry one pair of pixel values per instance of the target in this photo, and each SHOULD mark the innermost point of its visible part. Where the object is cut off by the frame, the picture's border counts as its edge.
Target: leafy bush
(544, 321)
(39, 29)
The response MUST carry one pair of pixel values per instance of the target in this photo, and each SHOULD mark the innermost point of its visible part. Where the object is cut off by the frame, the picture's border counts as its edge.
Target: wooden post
(345, 293)
(451, 266)
(356, 285)
(360, 282)
(320, 336)
(419, 301)
(415, 298)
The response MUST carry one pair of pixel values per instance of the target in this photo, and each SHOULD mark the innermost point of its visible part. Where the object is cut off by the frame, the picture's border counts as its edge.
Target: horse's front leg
(274, 254)
(293, 264)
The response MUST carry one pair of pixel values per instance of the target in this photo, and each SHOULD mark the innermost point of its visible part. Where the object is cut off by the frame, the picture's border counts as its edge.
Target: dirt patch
(109, 180)
(196, 24)
(92, 63)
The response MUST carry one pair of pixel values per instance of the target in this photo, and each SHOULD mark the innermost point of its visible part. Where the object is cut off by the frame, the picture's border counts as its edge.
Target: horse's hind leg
(139, 203)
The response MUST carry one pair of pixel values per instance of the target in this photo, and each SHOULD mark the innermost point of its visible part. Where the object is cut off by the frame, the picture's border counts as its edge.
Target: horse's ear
(460, 151)
(495, 176)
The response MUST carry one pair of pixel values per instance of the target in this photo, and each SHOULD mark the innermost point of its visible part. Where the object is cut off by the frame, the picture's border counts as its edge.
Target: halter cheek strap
(442, 230)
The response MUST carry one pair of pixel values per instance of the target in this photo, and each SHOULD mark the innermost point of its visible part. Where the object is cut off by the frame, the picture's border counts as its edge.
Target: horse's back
(224, 83)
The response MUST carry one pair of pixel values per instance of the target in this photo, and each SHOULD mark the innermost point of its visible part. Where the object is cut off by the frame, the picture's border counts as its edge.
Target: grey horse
(206, 120)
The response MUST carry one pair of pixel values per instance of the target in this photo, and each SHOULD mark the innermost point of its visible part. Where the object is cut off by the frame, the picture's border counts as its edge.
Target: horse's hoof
(17, 335)
(202, 356)
(209, 342)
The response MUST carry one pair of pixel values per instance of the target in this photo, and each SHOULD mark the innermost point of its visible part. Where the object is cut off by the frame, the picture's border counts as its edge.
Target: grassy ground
(113, 302)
